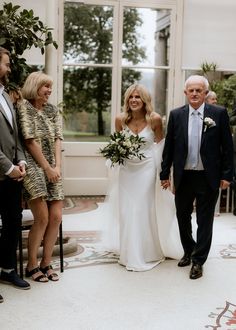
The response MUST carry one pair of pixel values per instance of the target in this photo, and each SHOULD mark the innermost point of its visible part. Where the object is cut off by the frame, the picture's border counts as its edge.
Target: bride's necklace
(137, 125)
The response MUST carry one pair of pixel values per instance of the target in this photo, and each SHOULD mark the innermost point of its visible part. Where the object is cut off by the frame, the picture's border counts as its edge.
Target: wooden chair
(27, 221)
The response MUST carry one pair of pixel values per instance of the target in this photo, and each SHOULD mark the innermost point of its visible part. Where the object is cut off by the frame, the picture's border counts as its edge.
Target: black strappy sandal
(53, 276)
(42, 278)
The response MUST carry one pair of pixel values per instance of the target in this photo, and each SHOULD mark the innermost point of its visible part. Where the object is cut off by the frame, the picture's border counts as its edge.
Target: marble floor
(95, 293)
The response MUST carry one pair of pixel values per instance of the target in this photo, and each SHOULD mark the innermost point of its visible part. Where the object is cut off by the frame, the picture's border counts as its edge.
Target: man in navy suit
(12, 171)
(199, 169)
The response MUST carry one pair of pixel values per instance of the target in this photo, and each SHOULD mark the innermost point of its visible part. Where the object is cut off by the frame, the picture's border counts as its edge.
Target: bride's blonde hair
(146, 99)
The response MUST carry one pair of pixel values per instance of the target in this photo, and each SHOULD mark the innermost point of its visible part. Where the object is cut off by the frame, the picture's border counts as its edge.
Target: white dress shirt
(5, 105)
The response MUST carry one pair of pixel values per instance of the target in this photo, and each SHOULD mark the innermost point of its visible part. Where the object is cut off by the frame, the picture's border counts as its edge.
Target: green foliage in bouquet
(123, 146)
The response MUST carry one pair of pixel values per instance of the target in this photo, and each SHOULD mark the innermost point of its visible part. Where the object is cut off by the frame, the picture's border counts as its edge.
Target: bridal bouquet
(123, 146)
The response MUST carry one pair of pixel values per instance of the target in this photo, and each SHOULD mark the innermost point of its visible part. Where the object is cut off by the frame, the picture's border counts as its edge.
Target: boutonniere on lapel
(208, 123)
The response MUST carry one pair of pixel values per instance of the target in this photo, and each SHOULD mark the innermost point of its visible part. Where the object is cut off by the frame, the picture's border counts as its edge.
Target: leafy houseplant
(223, 85)
(20, 30)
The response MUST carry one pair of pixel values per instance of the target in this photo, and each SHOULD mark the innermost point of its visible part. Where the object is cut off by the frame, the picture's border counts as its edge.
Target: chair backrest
(27, 215)
(27, 218)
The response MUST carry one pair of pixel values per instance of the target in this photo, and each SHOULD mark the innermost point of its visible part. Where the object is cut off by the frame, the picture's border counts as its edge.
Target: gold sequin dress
(45, 127)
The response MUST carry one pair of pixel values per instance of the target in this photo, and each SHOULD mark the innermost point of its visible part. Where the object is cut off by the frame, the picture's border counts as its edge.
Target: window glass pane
(87, 98)
(146, 35)
(87, 33)
(156, 81)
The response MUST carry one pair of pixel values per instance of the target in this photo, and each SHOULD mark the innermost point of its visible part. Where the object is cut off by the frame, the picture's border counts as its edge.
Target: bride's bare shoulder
(118, 122)
(155, 117)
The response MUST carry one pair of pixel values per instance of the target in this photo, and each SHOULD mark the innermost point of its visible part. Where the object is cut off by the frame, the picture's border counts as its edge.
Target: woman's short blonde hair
(145, 97)
(33, 83)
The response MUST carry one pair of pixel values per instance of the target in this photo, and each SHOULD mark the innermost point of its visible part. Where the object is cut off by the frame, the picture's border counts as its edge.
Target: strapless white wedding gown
(142, 227)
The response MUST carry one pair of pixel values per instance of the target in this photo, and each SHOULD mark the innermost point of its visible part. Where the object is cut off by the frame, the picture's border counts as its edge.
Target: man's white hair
(197, 78)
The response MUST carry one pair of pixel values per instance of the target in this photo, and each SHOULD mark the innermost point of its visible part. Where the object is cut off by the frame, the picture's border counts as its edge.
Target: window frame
(175, 81)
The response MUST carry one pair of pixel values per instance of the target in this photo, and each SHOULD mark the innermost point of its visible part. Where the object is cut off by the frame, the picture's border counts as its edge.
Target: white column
(178, 97)
(53, 56)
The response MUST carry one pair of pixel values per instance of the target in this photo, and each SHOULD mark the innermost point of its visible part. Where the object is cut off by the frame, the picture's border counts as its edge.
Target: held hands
(224, 184)
(53, 174)
(22, 169)
(18, 173)
(165, 184)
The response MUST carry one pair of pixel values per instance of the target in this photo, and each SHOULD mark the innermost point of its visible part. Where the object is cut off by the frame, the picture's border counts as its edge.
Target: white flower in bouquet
(127, 143)
(123, 146)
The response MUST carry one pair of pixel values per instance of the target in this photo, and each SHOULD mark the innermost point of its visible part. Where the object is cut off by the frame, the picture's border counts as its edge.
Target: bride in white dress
(146, 214)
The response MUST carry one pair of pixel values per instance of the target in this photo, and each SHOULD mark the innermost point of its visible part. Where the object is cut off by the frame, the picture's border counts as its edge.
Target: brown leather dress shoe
(185, 261)
(195, 272)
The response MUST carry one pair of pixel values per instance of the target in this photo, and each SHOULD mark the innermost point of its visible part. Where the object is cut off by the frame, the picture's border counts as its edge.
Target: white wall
(209, 33)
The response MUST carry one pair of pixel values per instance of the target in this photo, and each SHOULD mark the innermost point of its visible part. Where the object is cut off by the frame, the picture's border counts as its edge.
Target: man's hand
(17, 173)
(224, 184)
(22, 169)
(165, 184)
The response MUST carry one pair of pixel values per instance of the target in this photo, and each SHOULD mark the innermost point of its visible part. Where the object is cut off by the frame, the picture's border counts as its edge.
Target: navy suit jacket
(216, 148)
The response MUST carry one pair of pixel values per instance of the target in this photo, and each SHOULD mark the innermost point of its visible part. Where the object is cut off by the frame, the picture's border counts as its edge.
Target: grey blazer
(11, 150)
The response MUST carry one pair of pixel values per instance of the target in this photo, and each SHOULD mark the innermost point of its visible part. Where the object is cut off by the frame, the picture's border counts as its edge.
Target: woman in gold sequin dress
(41, 130)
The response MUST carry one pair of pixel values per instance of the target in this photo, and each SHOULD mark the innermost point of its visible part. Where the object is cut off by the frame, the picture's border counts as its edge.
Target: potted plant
(21, 30)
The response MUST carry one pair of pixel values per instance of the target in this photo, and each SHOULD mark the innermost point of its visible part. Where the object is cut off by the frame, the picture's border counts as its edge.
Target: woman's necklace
(137, 125)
